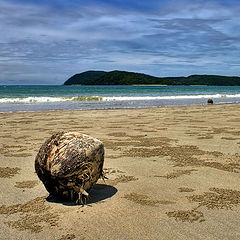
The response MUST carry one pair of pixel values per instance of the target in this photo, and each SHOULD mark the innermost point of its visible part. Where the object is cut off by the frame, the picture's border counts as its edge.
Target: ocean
(45, 98)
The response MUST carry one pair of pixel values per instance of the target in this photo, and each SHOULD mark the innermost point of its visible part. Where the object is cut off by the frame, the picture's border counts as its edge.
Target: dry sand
(173, 174)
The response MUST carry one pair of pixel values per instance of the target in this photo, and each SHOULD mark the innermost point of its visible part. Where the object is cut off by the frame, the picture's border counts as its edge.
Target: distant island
(133, 78)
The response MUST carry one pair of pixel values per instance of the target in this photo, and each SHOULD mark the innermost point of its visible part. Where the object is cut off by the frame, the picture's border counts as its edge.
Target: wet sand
(173, 173)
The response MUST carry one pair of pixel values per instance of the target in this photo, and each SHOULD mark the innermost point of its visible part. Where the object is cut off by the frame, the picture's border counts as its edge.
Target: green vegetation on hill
(132, 78)
(85, 78)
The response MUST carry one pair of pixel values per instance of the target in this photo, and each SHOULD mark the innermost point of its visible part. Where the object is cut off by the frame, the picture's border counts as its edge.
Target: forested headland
(133, 78)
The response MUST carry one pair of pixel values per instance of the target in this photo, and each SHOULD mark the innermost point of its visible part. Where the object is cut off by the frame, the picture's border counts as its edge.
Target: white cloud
(37, 39)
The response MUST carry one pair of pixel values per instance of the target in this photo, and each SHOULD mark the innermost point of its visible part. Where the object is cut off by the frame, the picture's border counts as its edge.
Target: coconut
(210, 101)
(69, 164)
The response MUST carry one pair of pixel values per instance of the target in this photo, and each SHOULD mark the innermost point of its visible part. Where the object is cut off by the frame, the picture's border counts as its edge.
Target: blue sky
(45, 42)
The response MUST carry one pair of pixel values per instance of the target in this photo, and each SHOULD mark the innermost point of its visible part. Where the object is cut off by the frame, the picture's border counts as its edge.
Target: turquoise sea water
(36, 98)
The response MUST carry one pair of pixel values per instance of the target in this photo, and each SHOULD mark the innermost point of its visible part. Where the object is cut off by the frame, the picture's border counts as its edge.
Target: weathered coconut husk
(69, 164)
(210, 101)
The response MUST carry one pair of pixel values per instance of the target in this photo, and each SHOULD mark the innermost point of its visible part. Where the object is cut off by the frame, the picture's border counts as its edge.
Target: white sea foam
(31, 100)
(170, 97)
(49, 99)
(113, 98)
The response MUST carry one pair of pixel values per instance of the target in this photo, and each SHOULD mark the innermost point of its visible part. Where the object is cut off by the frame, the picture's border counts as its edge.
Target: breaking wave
(112, 98)
(49, 99)
(170, 97)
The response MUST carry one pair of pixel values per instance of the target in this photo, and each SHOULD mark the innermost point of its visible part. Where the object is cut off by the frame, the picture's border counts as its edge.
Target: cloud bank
(43, 43)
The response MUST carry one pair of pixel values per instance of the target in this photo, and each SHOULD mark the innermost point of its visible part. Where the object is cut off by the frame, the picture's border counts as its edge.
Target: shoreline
(172, 171)
(117, 109)
(123, 108)
(16, 99)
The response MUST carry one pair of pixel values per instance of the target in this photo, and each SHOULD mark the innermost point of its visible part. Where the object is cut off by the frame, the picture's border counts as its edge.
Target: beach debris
(69, 164)
(209, 101)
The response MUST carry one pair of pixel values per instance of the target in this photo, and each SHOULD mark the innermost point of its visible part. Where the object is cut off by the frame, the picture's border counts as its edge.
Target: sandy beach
(173, 173)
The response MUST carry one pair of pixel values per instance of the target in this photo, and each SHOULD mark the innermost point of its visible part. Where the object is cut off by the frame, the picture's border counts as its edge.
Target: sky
(46, 42)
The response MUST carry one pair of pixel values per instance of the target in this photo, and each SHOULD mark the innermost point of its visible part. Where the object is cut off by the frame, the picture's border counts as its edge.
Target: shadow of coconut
(98, 193)
(101, 192)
